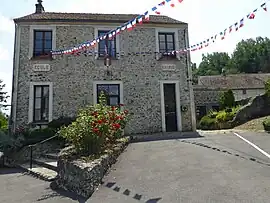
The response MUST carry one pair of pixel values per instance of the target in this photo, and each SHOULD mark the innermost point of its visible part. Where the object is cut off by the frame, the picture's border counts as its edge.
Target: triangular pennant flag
(251, 16)
(162, 3)
(134, 22)
(221, 35)
(140, 20)
(236, 26)
(129, 26)
(180, 1)
(230, 29)
(241, 23)
(123, 27)
(154, 8)
(157, 12)
(118, 30)
(264, 6)
(146, 16)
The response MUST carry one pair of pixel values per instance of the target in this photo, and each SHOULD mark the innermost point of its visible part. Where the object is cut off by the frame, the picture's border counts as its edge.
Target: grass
(253, 125)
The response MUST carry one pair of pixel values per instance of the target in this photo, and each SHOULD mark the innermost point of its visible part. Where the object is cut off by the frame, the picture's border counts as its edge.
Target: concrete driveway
(214, 168)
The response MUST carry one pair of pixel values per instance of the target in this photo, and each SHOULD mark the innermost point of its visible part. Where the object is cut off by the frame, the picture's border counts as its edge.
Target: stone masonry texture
(73, 77)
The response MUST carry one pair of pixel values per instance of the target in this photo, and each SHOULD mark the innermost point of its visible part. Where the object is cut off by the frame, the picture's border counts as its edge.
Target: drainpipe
(189, 79)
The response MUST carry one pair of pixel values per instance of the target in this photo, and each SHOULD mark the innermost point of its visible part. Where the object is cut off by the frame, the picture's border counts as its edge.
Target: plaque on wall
(168, 67)
(41, 67)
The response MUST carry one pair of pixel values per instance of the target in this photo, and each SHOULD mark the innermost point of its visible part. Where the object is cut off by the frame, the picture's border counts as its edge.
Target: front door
(170, 107)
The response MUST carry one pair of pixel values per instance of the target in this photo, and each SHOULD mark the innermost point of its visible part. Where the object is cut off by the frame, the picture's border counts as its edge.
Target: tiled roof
(92, 17)
(237, 81)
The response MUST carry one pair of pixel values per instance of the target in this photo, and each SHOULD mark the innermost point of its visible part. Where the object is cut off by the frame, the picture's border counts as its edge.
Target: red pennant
(180, 1)
(251, 16)
(157, 12)
(172, 5)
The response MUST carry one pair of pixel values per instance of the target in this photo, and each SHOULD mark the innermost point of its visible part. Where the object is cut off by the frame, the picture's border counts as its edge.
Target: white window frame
(177, 100)
(176, 39)
(117, 40)
(95, 83)
(31, 99)
(41, 28)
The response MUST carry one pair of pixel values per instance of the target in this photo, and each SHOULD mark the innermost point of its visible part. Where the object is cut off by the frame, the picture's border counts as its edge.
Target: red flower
(119, 118)
(95, 130)
(116, 125)
(99, 121)
(126, 111)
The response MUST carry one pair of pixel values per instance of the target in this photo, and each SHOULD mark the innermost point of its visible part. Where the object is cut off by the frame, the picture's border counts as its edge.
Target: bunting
(80, 49)
(130, 25)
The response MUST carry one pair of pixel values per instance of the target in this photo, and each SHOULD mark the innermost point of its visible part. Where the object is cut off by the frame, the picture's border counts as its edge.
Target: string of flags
(111, 34)
(233, 27)
(85, 47)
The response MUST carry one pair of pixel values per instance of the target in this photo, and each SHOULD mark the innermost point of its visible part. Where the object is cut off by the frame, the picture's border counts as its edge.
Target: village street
(218, 167)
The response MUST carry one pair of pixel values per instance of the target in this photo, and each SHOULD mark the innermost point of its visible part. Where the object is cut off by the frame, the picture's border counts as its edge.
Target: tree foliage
(249, 56)
(3, 95)
(227, 99)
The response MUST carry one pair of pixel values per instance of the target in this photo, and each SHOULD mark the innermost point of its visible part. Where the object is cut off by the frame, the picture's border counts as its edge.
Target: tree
(252, 55)
(227, 99)
(3, 95)
(213, 64)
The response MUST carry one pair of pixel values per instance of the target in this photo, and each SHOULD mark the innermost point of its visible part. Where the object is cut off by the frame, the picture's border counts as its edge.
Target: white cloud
(6, 24)
(4, 54)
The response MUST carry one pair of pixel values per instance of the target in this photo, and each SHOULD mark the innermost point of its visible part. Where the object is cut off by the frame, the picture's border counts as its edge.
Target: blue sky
(205, 18)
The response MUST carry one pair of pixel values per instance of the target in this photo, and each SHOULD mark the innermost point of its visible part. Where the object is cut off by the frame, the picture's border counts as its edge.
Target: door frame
(178, 104)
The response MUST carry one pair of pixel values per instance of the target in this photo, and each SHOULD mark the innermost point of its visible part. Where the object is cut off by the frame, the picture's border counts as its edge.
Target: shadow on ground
(164, 136)
(7, 170)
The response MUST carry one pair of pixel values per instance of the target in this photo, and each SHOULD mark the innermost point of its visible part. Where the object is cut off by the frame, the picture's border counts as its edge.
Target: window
(106, 46)
(41, 103)
(42, 42)
(244, 91)
(166, 42)
(112, 92)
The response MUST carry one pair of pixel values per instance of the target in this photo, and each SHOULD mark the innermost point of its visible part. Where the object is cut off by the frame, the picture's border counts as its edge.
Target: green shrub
(3, 121)
(267, 88)
(60, 122)
(207, 123)
(266, 124)
(95, 126)
(226, 99)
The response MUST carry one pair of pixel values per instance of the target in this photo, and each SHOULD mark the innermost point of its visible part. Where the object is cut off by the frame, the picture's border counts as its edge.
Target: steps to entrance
(44, 168)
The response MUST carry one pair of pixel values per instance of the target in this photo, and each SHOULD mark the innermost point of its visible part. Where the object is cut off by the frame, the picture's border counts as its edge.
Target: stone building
(209, 88)
(155, 87)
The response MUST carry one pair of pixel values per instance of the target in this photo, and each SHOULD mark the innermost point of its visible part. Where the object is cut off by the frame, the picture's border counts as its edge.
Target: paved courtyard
(215, 168)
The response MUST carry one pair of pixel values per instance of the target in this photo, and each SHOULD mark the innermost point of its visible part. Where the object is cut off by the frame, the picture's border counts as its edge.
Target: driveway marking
(253, 145)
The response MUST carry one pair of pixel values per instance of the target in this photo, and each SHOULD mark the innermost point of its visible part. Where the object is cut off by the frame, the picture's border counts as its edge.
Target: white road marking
(253, 145)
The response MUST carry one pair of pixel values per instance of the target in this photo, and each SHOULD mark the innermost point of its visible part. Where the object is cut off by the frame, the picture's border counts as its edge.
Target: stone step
(46, 163)
(39, 172)
(51, 156)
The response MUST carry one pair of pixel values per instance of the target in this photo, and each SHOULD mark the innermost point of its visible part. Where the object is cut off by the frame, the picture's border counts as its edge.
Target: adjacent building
(209, 88)
(155, 87)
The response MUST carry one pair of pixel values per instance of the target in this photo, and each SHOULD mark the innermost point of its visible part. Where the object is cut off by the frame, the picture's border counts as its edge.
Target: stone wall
(73, 76)
(83, 177)
(258, 107)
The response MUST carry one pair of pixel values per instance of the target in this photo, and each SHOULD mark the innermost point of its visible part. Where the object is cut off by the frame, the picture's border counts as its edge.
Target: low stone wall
(83, 177)
(257, 107)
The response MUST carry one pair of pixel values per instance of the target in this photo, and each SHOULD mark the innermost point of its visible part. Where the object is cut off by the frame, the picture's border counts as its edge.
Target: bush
(3, 122)
(95, 127)
(267, 88)
(227, 99)
(207, 123)
(266, 124)
(60, 122)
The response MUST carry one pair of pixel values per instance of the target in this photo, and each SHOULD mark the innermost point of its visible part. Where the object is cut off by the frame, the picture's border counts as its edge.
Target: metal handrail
(31, 146)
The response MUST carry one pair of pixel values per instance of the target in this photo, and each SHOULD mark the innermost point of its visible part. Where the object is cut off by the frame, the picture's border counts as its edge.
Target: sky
(205, 18)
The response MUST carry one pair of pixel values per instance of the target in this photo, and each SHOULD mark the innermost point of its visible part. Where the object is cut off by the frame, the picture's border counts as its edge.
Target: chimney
(39, 7)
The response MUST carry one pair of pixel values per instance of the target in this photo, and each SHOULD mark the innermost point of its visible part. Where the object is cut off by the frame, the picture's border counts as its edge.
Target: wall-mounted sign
(41, 67)
(168, 67)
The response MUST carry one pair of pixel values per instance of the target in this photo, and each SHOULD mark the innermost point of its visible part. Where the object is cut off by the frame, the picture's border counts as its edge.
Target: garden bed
(82, 175)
